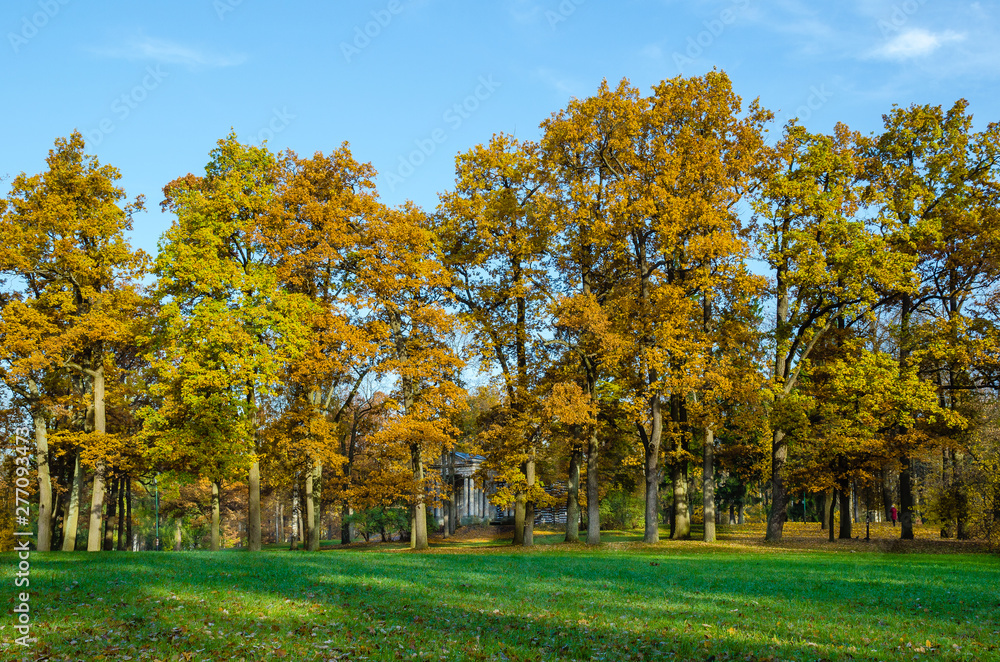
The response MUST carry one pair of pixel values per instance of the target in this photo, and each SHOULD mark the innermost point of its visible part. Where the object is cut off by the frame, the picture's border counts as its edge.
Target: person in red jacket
(892, 514)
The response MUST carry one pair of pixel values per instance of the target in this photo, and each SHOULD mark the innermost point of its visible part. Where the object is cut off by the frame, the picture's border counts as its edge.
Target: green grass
(673, 601)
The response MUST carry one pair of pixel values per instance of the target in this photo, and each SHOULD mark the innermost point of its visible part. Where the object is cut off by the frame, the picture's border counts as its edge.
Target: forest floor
(474, 597)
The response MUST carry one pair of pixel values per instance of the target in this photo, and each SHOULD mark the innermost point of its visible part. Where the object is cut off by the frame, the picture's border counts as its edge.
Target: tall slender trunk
(708, 484)
(681, 523)
(44, 480)
(529, 506)
(307, 520)
(905, 499)
(109, 527)
(946, 484)
(886, 494)
(905, 479)
(855, 502)
(845, 502)
(573, 494)
(253, 526)
(345, 524)
(97, 492)
(447, 484)
(824, 510)
(520, 508)
(316, 529)
(216, 515)
(122, 487)
(593, 493)
(418, 532)
(779, 448)
(651, 468)
(293, 539)
(72, 519)
(590, 372)
(708, 452)
(128, 502)
(832, 511)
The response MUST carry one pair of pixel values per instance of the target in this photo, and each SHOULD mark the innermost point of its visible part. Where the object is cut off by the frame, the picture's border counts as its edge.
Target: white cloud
(915, 42)
(564, 85)
(652, 51)
(169, 52)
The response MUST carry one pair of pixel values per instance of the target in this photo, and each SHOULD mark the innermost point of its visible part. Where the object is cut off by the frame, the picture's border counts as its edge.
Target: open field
(474, 599)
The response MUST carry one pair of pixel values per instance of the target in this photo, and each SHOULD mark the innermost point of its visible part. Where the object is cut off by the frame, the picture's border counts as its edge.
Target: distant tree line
(660, 300)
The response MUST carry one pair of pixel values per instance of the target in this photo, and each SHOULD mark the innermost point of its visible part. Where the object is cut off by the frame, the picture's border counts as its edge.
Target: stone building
(471, 499)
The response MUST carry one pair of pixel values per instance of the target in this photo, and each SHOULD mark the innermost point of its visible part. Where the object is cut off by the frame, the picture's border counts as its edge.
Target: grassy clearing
(476, 600)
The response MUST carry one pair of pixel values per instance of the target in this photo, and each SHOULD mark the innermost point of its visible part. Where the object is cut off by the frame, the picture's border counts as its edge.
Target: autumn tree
(933, 184)
(228, 324)
(494, 236)
(75, 291)
(828, 263)
(403, 281)
(315, 232)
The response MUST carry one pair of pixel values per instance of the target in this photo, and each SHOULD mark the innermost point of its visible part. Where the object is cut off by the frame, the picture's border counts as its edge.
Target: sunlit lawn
(477, 600)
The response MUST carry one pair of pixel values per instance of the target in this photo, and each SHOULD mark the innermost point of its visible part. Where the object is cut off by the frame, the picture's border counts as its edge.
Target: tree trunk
(680, 528)
(708, 485)
(651, 469)
(825, 510)
(905, 500)
(779, 497)
(318, 505)
(593, 495)
(520, 507)
(345, 525)
(128, 502)
(529, 506)
(122, 488)
(293, 539)
(445, 495)
(97, 493)
(855, 502)
(573, 495)
(109, 527)
(253, 526)
(308, 519)
(831, 510)
(418, 529)
(72, 520)
(216, 515)
(886, 494)
(845, 511)
(313, 479)
(44, 481)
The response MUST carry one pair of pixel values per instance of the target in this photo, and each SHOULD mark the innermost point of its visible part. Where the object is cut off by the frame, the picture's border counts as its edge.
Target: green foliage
(622, 510)
(390, 522)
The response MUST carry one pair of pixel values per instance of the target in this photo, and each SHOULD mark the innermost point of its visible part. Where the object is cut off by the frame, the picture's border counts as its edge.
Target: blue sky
(411, 83)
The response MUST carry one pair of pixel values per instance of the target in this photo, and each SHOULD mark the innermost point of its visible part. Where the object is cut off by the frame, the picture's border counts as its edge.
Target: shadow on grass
(560, 603)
